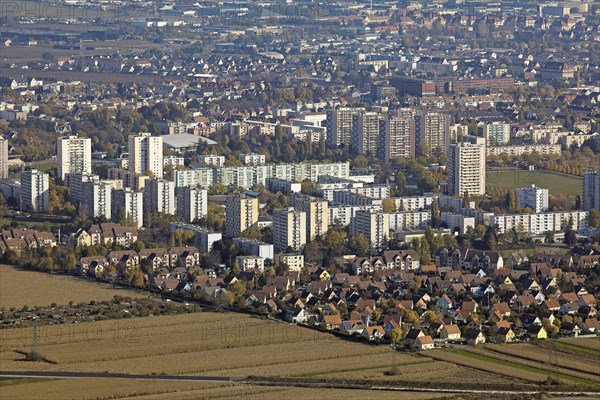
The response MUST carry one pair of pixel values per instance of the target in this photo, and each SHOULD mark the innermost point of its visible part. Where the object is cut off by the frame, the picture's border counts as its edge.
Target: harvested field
(542, 366)
(20, 288)
(471, 360)
(592, 343)
(541, 354)
(88, 389)
(235, 345)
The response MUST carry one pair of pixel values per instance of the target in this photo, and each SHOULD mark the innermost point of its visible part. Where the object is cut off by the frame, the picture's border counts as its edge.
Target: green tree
(436, 215)
(410, 317)
(389, 206)
(570, 235)
(359, 245)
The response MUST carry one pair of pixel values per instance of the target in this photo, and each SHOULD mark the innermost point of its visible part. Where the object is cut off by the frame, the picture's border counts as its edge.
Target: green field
(557, 184)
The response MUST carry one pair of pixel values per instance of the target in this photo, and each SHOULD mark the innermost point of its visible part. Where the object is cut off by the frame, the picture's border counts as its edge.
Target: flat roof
(185, 140)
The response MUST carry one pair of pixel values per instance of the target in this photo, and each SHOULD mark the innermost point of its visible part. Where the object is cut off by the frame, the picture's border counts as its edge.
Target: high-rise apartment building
(96, 199)
(317, 214)
(374, 225)
(128, 204)
(365, 133)
(159, 196)
(533, 197)
(591, 191)
(3, 158)
(496, 133)
(35, 190)
(192, 203)
(75, 181)
(432, 128)
(146, 154)
(241, 213)
(339, 126)
(74, 155)
(289, 229)
(466, 169)
(398, 137)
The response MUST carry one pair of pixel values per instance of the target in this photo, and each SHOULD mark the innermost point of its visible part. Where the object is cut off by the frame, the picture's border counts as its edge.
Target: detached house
(450, 332)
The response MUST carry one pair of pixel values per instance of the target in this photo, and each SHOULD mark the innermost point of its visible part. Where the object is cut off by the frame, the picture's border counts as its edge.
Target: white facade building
(74, 155)
(159, 196)
(534, 197)
(192, 203)
(129, 204)
(289, 229)
(146, 154)
(35, 190)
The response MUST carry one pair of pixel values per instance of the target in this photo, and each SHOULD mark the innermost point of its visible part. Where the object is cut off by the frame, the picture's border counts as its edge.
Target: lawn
(20, 288)
(557, 184)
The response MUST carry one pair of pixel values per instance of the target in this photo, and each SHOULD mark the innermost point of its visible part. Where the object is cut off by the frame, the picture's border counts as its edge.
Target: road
(282, 383)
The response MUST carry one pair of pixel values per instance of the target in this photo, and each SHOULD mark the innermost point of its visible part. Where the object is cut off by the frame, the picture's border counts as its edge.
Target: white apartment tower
(433, 128)
(159, 196)
(146, 154)
(466, 169)
(591, 191)
(192, 203)
(241, 213)
(398, 135)
(3, 158)
(374, 225)
(317, 215)
(289, 229)
(365, 133)
(339, 126)
(534, 197)
(97, 199)
(129, 204)
(74, 155)
(35, 190)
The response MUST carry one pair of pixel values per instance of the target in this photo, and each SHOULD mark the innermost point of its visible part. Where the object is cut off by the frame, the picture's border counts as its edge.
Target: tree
(359, 245)
(424, 252)
(389, 206)
(466, 199)
(431, 317)
(238, 288)
(436, 215)
(490, 239)
(70, 262)
(396, 335)
(570, 235)
(410, 317)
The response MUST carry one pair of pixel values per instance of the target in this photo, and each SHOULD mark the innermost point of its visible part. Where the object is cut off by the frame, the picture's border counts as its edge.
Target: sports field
(557, 184)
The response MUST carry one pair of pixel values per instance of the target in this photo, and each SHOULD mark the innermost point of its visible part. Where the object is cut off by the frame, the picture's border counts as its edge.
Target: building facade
(74, 155)
(533, 197)
(191, 203)
(146, 154)
(159, 196)
(591, 191)
(374, 225)
(35, 190)
(289, 229)
(128, 204)
(466, 169)
(241, 213)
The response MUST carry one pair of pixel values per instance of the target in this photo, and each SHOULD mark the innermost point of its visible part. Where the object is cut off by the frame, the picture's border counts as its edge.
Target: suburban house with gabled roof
(450, 332)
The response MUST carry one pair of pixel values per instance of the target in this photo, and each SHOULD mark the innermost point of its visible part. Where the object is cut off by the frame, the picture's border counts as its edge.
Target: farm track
(282, 383)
